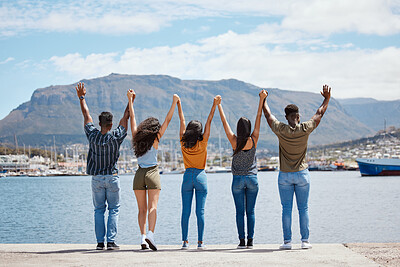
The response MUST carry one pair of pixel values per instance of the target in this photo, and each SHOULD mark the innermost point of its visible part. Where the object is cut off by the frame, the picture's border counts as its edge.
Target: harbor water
(343, 207)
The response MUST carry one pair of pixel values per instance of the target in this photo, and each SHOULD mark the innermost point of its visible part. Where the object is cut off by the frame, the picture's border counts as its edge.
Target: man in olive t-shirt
(294, 177)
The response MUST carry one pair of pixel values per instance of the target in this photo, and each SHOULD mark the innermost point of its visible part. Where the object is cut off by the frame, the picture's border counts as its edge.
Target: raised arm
(168, 118)
(124, 120)
(182, 126)
(131, 98)
(81, 92)
(256, 132)
(228, 131)
(207, 127)
(326, 93)
(267, 112)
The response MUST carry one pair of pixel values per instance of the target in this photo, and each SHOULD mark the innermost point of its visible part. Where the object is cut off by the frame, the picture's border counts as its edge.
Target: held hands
(80, 89)
(263, 94)
(326, 92)
(217, 100)
(176, 98)
(131, 94)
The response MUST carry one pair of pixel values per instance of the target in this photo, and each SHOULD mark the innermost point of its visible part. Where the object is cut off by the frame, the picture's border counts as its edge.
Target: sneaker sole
(250, 247)
(151, 244)
(100, 248)
(241, 247)
(112, 248)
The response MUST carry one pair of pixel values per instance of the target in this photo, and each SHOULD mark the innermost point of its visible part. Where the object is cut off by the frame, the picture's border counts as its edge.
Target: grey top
(245, 162)
(103, 150)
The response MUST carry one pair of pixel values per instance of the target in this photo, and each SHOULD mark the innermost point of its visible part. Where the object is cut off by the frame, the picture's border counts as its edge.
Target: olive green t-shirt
(293, 144)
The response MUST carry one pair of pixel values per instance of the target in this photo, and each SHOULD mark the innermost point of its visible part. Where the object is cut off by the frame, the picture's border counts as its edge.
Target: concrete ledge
(215, 255)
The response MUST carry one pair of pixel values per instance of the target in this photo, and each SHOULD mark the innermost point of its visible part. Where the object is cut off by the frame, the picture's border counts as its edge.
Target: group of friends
(104, 144)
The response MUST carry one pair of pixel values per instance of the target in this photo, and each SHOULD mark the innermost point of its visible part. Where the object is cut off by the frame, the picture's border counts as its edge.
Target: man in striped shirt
(102, 165)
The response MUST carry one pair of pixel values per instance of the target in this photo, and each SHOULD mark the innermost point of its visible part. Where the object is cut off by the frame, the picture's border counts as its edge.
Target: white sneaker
(201, 246)
(305, 245)
(150, 240)
(143, 243)
(185, 245)
(287, 245)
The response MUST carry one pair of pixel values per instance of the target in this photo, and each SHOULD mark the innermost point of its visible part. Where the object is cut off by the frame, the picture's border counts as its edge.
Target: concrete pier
(214, 255)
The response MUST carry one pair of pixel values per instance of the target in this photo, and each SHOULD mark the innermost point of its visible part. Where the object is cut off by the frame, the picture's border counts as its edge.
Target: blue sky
(354, 46)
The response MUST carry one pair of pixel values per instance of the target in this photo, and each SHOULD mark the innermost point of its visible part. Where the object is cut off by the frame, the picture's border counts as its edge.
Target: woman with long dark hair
(244, 170)
(194, 151)
(145, 140)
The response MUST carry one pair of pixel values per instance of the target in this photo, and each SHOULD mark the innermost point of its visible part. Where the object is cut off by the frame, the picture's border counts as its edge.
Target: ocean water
(343, 207)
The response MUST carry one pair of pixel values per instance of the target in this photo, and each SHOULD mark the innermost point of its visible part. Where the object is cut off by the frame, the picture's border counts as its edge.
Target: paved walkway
(215, 255)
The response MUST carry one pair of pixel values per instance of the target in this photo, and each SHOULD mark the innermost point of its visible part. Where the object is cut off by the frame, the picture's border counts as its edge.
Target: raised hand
(176, 98)
(217, 100)
(80, 89)
(131, 94)
(263, 94)
(326, 92)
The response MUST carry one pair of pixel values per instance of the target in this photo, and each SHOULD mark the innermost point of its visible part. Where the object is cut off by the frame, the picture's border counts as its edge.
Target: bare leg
(154, 194)
(142, 207)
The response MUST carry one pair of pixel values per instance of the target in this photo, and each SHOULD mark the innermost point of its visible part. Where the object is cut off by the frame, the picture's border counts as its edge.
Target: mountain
(372, 112)
(55, 110)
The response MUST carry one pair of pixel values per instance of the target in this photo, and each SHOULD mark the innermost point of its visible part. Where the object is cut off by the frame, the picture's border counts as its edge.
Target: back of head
(105, 119)
(193, 133)
(147, 132)
(243, 132)
(291, 108)
(292, 114)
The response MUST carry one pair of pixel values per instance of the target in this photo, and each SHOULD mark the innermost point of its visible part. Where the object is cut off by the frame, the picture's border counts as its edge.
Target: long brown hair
(193, 133)
(147, 133)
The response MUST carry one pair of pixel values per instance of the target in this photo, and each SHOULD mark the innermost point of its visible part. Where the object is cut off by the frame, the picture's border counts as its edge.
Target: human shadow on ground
(164, 250)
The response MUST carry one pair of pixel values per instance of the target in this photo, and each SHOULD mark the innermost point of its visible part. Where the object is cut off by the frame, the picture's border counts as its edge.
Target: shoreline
(349, 254)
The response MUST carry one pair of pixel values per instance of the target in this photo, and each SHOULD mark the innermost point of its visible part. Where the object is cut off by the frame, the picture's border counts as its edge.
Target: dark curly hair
(147, 132)
(193, 133)
(243, 132)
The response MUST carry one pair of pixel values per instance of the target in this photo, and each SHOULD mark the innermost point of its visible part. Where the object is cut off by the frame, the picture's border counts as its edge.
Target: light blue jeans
(299, 184)
(193, 179)
(105, 188)
(244, 191)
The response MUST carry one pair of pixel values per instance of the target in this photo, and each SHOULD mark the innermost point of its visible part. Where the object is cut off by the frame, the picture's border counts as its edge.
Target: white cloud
(7, 60)
(326, 17)
(251, 58)
(125, 17)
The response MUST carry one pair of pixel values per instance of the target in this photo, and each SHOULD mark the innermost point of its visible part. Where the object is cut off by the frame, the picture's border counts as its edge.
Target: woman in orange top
(194, 151)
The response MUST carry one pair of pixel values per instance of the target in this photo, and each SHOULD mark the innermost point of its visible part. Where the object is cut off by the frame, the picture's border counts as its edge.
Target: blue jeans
(298, 183)
(193, 179)
(244, 191)
(105, 188)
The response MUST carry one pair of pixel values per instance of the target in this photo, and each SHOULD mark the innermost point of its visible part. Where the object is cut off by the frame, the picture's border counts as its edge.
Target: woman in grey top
(244, 170)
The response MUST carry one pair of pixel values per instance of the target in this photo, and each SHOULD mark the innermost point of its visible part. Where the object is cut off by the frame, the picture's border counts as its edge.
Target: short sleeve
(275, 126)
(204, 142)
(309, 126)
(120, 133)
(89, 130)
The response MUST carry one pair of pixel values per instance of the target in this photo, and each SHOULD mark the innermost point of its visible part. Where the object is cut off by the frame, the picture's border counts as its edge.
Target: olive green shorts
(147, 178)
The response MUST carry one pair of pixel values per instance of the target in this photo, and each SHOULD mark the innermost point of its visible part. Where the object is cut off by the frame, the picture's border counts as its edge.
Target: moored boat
(378, 167)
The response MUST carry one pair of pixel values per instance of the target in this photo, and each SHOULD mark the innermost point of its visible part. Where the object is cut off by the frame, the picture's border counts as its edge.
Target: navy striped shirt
(103, 150)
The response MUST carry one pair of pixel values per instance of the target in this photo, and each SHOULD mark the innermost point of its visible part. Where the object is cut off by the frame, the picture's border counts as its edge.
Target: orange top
(195, 157)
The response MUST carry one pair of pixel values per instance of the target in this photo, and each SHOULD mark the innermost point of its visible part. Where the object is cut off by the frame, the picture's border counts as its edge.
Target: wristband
(82, 97)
